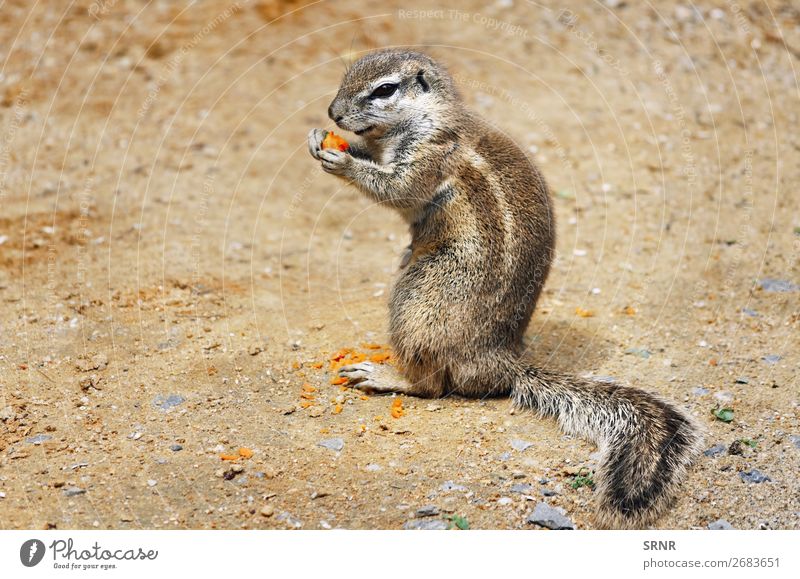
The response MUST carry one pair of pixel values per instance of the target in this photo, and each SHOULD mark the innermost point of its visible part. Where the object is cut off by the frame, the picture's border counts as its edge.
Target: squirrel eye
(383, 91)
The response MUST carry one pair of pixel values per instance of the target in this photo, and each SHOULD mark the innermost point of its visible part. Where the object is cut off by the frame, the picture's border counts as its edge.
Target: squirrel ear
(423, 83)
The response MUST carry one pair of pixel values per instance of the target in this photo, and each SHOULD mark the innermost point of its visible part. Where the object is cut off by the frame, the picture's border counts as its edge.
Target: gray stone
(448, 486)
(699, 391)
(427, 511)
(716, 450)
(167, 402)
(548, 492)
(742, 380)
(754, 476)
(771, 359)
(549, 517)
(795, 440)
(520, 445)
(522, 488)
(720, 525)
(176, 448)
(772, 285)
(605, 379)
(426, 525)
(74, 491)
(336, 444)
(38, 439)
(749, 312)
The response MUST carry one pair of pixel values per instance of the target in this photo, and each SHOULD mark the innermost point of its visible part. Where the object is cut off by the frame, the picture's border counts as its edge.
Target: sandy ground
(175, 267)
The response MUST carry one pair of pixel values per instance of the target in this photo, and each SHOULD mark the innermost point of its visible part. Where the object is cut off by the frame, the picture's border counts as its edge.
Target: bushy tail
(645, 443)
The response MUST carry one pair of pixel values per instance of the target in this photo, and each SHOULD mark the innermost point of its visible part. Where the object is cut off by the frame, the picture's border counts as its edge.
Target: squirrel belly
(482, 242)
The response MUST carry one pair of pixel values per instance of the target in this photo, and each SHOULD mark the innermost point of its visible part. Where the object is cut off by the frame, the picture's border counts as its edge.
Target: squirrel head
(390, 88)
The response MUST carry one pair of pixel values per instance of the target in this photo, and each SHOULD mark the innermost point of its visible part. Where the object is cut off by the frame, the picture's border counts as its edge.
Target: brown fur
(483, 237)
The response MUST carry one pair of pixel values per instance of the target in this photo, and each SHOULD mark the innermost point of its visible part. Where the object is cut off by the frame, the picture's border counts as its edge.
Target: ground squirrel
(482, 239)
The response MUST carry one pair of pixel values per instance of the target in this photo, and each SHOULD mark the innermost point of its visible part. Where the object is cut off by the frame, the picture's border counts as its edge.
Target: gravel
(550, 517)
(74, 491)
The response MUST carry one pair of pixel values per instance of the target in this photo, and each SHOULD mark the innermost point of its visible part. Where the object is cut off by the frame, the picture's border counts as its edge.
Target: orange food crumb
(245, 452)
(397, 408)
(364, 397)
(229, 456)
(306, 404)
(308, 388)
(371, 346)
(334, 141)
(316, 365)
(380, 358)
(629, 311)
(337, 409)
(584, 313)
(307, 396)
(338, 380)
(713, 361)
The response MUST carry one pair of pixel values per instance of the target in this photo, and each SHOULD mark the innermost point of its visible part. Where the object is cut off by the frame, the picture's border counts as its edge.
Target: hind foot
(370, 378)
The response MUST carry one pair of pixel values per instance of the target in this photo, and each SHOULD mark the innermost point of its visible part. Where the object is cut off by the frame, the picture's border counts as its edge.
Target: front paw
(335, 162)
(315, 138)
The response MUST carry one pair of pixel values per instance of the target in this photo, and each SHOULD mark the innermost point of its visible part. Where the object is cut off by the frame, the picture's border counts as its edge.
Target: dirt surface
(175, 266)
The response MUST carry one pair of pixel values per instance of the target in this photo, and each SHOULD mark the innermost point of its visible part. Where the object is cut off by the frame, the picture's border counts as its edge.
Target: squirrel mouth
(365, 130)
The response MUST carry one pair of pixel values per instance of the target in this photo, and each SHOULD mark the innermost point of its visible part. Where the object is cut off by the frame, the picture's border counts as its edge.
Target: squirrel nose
(332, 116)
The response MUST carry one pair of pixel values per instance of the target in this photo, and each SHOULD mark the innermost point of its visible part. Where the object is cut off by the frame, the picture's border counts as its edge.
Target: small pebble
(451, 486)
(504, 501)
(754, 476)
(742, 380)
(520, 445)
(720, 525)
(336, 444)
(425, 525)
(427, 511)
(521, 488)
(550, 517)
(771, 285)
(716, 450)
(167, 402)
(176, 448)
(373, 467)
(38, 439)
(73, 491)
(771, 359)
(151, 483)
(267, 511)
